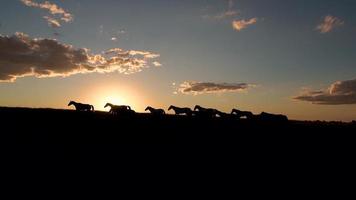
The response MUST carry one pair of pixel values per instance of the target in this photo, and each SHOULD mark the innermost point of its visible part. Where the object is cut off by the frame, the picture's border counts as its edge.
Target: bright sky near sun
(295, 57)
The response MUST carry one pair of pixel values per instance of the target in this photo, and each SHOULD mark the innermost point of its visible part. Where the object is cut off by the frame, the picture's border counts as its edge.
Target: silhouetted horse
(155, 111)
(273, 117)
(239, 113)
(117, 109)
(205, 112)
(179, 111)
(81, 106)
(223, 114)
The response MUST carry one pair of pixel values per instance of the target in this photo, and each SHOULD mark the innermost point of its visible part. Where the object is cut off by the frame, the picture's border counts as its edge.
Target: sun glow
(118, 96)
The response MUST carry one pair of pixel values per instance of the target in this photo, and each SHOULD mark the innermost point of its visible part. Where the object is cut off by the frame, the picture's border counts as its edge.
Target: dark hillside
(73, 133)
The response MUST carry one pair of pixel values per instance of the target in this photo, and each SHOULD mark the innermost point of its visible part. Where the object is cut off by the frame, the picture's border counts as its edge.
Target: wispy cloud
(229, 12)
(238, 25)
(157, 64)
(52, 22)
(58, 13)
(195, 88)
(340, 92)
(21, 56)
(329, 23)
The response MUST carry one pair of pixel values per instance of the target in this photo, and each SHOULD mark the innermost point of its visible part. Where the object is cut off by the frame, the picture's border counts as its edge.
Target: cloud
(238, 25)
(340, 92)
(21, 56)
(329, 23)
(58, 13)
(114, 39)
(193, 87)
(52, 22)
(156, 64)
(229, 12)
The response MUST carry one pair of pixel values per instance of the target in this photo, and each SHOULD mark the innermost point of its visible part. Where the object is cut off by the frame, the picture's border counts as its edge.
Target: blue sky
(279, 55)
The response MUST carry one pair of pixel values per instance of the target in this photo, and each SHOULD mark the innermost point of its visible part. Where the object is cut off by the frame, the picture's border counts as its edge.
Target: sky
(294, 57)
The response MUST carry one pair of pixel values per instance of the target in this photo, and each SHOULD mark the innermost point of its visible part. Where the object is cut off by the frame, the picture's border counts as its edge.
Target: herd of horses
(198, 111)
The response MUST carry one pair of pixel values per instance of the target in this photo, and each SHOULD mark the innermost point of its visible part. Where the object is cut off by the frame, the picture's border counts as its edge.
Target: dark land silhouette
(71, 133)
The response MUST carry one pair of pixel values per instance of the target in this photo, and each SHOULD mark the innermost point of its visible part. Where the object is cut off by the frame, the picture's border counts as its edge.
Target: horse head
(71, 103)
(197, 107)
(234, 111)
(148, 108)
(107, 104)
(170, 107)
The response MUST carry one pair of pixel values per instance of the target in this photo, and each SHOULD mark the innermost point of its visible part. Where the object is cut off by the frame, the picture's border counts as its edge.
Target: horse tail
(92, 107)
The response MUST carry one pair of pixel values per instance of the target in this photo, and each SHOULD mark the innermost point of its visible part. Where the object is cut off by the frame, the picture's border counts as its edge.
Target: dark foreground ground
(53, 133)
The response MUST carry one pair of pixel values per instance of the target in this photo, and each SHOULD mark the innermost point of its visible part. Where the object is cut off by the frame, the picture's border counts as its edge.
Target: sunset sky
(295, 57)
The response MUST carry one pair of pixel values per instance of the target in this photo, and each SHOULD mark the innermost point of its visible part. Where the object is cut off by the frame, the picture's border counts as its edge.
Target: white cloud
(329, 23)
(238, 25)
(21, 56)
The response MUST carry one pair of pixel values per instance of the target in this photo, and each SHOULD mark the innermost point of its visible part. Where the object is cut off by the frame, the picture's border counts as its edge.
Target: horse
(273, 117)
(223, 114)
(116, 109)
(239, 113)
(206, 112)
(179, 111)
(155, 111)
(81, 106)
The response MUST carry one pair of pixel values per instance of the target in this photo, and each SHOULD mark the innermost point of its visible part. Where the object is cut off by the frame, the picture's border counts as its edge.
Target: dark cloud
(340, 92)
(21, 56)
(192, 87)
